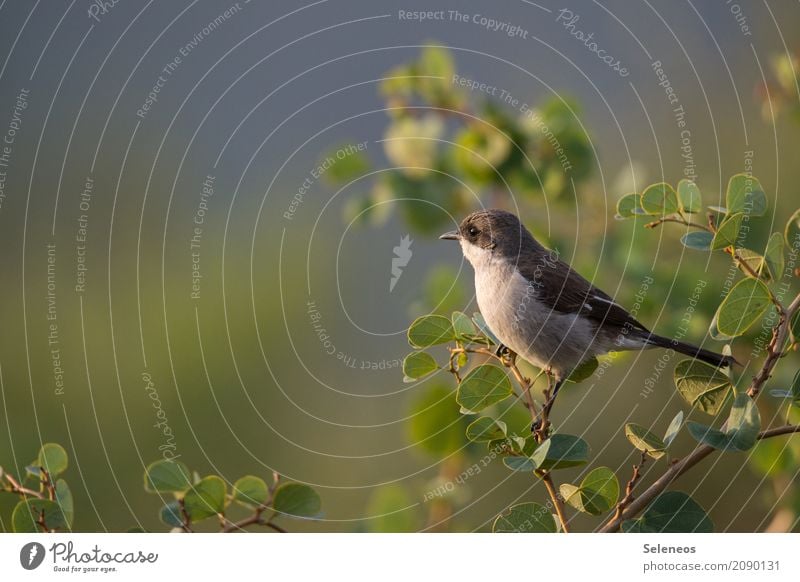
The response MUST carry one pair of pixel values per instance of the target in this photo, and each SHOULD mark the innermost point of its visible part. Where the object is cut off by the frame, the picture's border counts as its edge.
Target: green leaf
(742, 307)
(699, 240)
(53, 458)
(660, 199)
(702, 385)
(525, 518)
(598, 492)
(250, 491)
(673, 429)
(462, 325)
(644, 440)
(430, 330)
(628, 205)
(297, 500)
(583, 371)
(742, 429)
(561, 451)
(774, 255)
(170, 514)
(435, 424)
(481, 324)
(486, 429)
(483, 386)
(65, 501)
(745, 194)
(418, 365)
(517, 463)
(728, 232)
(206, 498)
(689, 196)
(671, 512)
(28, 514)
(166, 476)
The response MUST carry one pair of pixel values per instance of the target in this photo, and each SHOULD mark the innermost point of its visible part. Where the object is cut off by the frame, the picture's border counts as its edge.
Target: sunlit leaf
(742, 307)
(689, 197)
(525, 518)
(486, 429)
(206, 498)
(167, 476)
(430, 330)
(728, 232)
(483, 386)
(702, 385)
(745, 194)
(297, 500)
(561, 451)
(660, 199)
(418, 364)
(644, 440)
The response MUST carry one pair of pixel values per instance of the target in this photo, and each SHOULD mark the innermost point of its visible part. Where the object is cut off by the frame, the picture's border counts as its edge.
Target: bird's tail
(699, 353)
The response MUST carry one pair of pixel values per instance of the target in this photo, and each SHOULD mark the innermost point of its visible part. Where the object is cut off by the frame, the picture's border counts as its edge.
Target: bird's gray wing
(560, 288)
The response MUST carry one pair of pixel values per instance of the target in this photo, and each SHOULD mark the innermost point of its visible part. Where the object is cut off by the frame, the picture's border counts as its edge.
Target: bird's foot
(506, 355)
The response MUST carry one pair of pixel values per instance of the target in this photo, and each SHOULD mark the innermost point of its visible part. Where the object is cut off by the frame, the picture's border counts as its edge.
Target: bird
(541, 309)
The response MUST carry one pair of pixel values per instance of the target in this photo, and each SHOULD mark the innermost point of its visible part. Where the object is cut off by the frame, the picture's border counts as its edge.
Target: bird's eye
(473, 231)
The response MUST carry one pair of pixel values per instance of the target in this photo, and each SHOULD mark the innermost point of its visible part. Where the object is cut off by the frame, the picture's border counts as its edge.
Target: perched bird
(544, 311)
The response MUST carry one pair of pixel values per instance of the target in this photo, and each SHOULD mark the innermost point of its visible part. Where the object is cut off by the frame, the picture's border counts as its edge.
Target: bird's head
(491, 232)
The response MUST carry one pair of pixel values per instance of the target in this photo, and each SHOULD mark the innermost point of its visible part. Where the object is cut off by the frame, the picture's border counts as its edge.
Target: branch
(676, 219)
(775, 348)
(678, 468)
(635, 476)
(17, 488)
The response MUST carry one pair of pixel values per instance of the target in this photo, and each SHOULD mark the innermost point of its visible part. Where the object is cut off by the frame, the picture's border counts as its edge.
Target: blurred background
(202, 204)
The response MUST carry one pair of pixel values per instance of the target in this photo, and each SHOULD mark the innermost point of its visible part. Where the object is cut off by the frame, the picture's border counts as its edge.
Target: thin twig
(635, 476)
(677, 469)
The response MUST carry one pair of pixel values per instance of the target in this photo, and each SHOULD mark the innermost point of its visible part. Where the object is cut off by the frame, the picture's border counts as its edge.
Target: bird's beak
(452, 235)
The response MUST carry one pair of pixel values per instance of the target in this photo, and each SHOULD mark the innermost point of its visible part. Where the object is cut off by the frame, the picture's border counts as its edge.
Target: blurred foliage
(765, 274)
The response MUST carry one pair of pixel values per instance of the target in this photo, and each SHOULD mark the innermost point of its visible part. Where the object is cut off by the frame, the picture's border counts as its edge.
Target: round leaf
(774, 255)
(742, 429)
(702, 385)
(206, 498)
(660, 199)
(745, 194)
(523, 464)
(462, 325)
(65, 501)
(166, 476)
(250, 491)
(644, 440)
(561, 451)
(297, 500)
(486, 429)
(672, 512)
(525, 518)
(53, 458)
(728, 232)
(28, 515)
(170, 514)
(699, 240)
(627, 205)
(430, 330)
(743, 306)
(418, 364)
(483, 386)
(689, 197)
